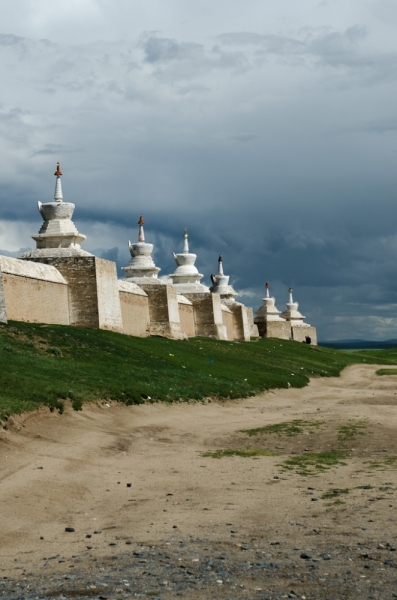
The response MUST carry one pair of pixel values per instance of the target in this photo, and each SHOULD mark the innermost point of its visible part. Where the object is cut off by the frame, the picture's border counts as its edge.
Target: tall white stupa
(269, 321)
(186, 277)
(268, 310)
(58, 235)
(292, 313)
(141, 268)
(220, 284)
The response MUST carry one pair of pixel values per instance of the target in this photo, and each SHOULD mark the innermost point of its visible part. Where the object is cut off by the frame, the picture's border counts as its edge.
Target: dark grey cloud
(324, 46)
(51, 149)
(165, 50)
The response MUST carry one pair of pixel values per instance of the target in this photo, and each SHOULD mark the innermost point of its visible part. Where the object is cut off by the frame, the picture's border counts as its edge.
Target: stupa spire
(58, 197)
(267, 290)
(141, 222)
(291, 300)
(185, 242)
(220, 265)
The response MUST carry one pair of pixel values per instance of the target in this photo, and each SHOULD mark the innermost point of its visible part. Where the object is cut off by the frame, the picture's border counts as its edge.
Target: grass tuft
(386, 372)
(245, 453)
(288, 428)
(312, 462)
(334, 493)
(348, 432)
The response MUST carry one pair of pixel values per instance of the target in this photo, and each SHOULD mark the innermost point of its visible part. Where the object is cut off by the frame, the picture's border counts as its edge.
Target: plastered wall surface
(135, 314)
(3, 314)
(35, 300)
(109, 310)
(163, 309)
(275, 329)
(241, 323)
(254, 332)
(158, 303)
(208, 315)
(299, 334)
(173, 305)
(186, 316)
(79, 272)
(228, 323)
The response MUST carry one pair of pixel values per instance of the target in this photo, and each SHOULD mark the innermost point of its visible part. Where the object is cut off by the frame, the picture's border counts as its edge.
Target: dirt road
(138, 476)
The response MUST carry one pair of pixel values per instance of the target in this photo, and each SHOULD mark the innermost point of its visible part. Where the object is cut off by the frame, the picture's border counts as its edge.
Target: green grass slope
(45, 364)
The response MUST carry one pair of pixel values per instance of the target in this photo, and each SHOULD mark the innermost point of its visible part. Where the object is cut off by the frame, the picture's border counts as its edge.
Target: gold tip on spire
(141, 221)
(267, 285)
(185, 234)
(58, 172)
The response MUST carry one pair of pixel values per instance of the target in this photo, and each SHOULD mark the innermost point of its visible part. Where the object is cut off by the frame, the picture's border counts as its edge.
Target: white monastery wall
(186, 316)
(33, 292)
(79, 272)
(299, 334)
(3, 314)
(275, 329)
(241, 322)
(208, 315)
(134, 309)
(163, 309)
(90, 281)
(252, 326)
(109, 311)
(227, 318)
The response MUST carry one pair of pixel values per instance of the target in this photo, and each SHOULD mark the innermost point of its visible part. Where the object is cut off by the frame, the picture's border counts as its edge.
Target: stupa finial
(185, 243)
(267, 290)
(58, 197)
(290, 295)
(141, 222)
(220, 265)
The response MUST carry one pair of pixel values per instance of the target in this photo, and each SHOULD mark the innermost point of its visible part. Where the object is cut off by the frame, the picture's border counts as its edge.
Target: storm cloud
(269, 131)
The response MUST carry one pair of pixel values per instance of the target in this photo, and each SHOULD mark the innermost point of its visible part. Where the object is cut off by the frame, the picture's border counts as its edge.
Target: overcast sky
(268, 129)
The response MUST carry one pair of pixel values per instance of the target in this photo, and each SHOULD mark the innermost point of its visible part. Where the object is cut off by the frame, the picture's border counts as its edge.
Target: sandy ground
(134, 473)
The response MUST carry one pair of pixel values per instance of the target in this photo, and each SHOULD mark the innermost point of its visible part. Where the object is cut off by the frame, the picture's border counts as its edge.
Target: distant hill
(360, 344)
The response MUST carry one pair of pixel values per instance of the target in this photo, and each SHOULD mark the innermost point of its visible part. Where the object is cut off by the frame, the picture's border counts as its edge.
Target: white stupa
(220, 284)
(292, 313)
(58, 235)
(141, 268)
(268, 310)
(186, 277)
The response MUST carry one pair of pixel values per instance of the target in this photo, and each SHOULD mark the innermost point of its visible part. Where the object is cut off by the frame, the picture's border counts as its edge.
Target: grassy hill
(46, 364)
